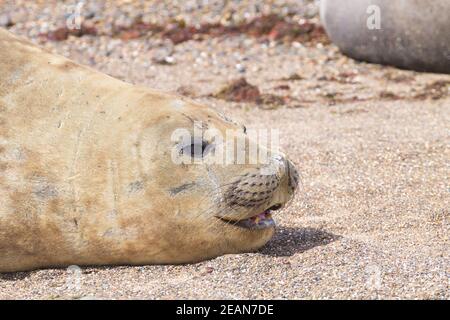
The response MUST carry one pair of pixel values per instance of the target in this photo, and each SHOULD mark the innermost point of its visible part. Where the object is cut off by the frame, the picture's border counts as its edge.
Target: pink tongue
(261, 216)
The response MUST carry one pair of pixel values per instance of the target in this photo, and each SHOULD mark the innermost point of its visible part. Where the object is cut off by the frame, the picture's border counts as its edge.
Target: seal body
(87, 175)
(411, 34)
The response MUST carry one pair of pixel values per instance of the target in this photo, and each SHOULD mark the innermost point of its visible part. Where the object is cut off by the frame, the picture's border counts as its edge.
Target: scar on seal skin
(87, 178)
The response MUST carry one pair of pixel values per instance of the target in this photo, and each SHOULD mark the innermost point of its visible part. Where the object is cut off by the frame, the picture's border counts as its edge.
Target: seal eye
(197, 149)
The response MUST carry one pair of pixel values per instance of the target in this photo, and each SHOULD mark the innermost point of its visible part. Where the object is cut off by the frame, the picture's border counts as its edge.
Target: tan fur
(86, 175)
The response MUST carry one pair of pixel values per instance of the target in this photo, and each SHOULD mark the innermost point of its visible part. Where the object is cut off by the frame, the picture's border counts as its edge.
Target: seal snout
(253, 196)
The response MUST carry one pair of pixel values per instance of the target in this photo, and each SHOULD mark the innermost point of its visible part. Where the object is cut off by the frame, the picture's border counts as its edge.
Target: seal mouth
(259, 221)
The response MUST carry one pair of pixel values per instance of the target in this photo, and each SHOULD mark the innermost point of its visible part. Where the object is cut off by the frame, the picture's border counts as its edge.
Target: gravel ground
(371, 219)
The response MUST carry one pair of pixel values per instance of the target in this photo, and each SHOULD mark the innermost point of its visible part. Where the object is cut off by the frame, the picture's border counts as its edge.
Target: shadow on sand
(13, 276)
(288, 241)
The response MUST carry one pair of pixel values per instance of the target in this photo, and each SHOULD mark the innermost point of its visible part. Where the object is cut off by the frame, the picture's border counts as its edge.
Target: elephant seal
(88, 177)
(411, 34)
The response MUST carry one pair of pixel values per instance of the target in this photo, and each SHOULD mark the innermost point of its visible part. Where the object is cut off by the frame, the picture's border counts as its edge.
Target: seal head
(96, 171)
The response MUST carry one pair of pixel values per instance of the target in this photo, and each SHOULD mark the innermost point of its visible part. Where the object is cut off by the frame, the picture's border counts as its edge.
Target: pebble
(5, 20)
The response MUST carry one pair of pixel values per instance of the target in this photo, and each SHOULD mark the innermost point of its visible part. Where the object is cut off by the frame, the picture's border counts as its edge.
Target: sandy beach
(371, 219)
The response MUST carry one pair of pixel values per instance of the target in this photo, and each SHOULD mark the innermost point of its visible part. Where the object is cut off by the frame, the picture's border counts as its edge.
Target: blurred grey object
(410, 34)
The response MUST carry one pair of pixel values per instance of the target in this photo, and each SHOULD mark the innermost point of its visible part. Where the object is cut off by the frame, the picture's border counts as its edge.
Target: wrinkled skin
(87, 178)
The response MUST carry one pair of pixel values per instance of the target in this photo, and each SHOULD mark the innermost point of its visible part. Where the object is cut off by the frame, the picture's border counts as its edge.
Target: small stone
(209, 269)
(169, 60)
(241, 68)
(5, 21)
(164, 55)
